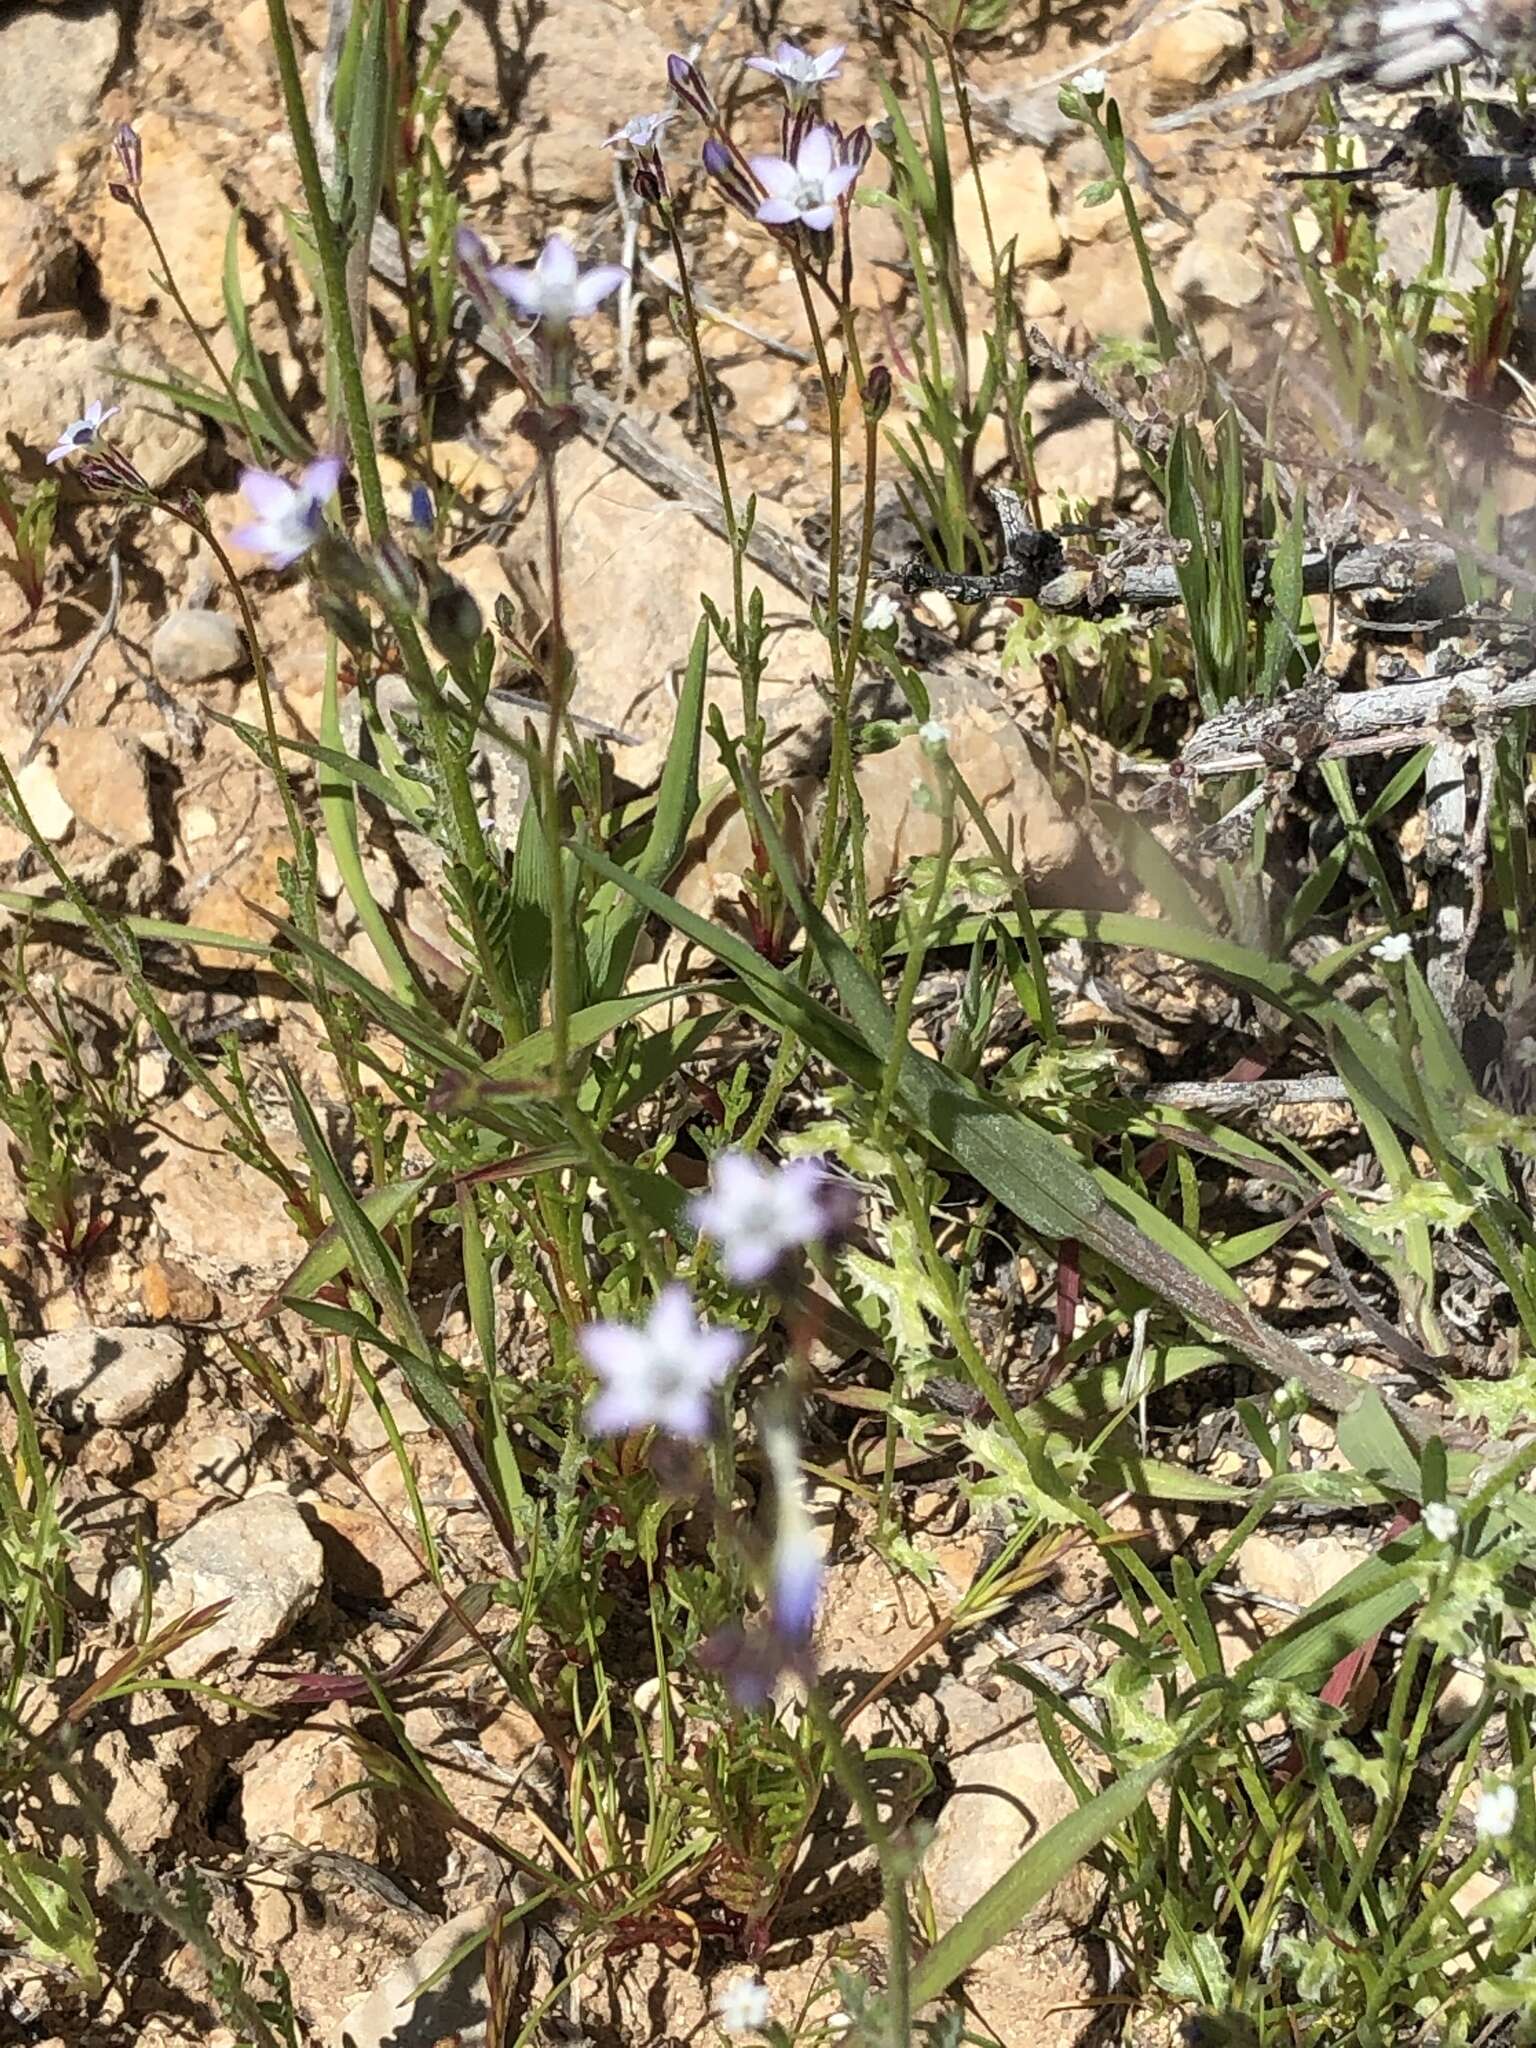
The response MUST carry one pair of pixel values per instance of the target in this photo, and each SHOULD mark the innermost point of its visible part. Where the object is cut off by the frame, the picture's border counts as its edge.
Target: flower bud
(687, 82)
(129, 151)
(421, 507)
(857, 148)
(548, 427)
(876, 395)
(729, 176)
(454, 624)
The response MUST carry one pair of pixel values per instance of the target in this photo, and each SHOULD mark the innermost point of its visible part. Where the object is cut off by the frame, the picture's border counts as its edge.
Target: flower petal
(593, 286)
(268, 496)
(777, 176)
(817, 154)
(818, 217)
(557, 265)
(828, 61)
(58, 453)
(613, 1351)
(838, 179)
(764, 64)
(320, 479)
(778, 213)
(521, 285)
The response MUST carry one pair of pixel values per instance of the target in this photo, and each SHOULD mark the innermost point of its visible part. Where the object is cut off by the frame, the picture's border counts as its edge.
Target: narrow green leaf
(1038, 1871)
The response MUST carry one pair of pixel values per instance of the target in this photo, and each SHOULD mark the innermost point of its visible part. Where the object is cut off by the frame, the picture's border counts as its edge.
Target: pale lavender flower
(640, 136)
(808, 189)
(757, 1213)
(801, 75)
(743, 2006)
(82, 433)
(289, 517)
(660, 1372)
(556, 290)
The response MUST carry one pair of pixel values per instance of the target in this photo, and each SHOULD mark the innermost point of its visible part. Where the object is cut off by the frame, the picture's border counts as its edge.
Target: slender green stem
(848, 1769)
(917, 952)
(231, 389)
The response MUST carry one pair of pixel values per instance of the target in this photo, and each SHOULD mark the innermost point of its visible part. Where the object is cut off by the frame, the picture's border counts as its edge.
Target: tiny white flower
(801, 75)
(659, 1373)
(1441, 1520)
(757, 1213)
(934, 735)
(82, 433)
(1091, 82)
(743, 2006)
(640, 135)
(556, 290)
(1395, 946)
(882, 611)
(1498, 1808)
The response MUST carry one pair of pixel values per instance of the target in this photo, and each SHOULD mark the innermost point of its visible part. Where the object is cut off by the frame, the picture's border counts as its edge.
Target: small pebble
(191, 645)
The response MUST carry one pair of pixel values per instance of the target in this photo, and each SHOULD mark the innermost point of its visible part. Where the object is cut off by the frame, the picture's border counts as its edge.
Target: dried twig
(1320, 724)
(102, 631)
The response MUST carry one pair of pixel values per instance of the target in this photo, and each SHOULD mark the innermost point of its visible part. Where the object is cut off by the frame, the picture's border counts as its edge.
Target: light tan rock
(217, 1214)
(635, 567)
(256, 1558)
(1214, 266)
(235, 902)
(103, 1377)
(1300, 1573)
(1022, 210)
(289, 1795)
(39, 259)
(363, 1555)
(1192, 48)
(1003, 1802)
(45, 801)
(104, 778)
(410, 2008)
(52, 69)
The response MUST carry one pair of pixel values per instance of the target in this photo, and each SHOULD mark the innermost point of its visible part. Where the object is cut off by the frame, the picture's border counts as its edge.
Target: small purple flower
(757, 1213)
(801, 75)
(659, 1373)
(82, 433)
(640, 136)
(808, 189)
(288, 516)
(556, 290)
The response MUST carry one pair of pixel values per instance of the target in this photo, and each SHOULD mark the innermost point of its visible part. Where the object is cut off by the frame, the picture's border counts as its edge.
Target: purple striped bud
(728, 175)
(687, 82)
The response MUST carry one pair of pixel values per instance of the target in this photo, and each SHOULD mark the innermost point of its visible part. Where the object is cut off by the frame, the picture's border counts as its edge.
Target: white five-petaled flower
(806, 190)
(659, 1373)
(83, 432)
(801, 75)
(640, 135)
(743, 2005)
(1498, 1808)
(1441, 1520)
(934, 735)
(757, 1213)
(1395, 946)
(288, 516)
(881, 611)
(1091, 82)
(556, 290)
